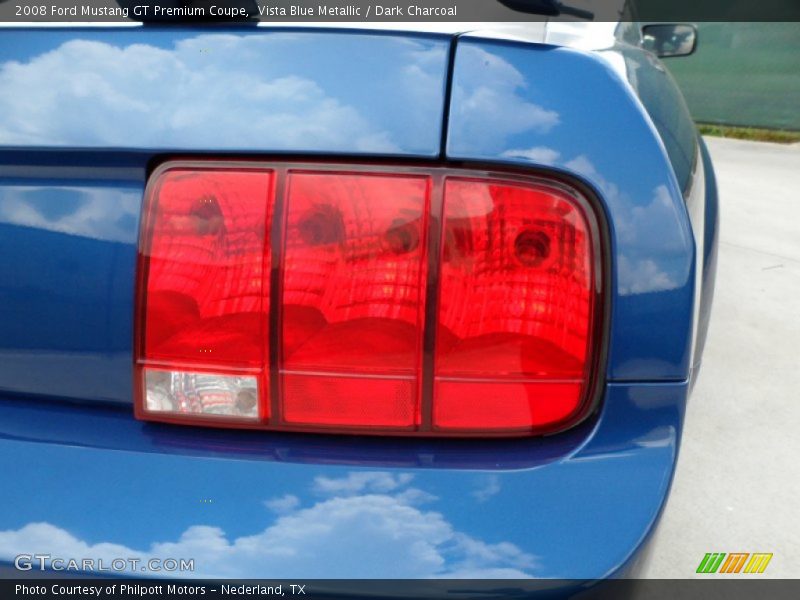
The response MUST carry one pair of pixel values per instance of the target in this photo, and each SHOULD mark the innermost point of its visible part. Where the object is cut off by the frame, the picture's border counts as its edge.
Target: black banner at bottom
(656, 589)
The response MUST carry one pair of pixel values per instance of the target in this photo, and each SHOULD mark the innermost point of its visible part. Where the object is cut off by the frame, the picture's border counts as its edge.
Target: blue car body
(87, 113)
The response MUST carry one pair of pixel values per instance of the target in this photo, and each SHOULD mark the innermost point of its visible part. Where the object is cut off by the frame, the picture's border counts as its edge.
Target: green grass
(755, 134)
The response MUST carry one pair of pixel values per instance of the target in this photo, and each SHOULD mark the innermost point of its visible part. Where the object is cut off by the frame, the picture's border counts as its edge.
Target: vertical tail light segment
(365, 299)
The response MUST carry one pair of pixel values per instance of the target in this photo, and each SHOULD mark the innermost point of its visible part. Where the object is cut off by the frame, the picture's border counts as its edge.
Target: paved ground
(737, 488)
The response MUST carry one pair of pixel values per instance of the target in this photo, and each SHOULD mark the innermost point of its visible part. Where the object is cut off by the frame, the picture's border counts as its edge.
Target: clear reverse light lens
(194, 393)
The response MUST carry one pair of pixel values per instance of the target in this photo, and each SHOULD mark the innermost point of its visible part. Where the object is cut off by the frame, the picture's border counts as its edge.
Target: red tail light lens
(353, 299)
(205, 296)
(515, 307)
(318, 321)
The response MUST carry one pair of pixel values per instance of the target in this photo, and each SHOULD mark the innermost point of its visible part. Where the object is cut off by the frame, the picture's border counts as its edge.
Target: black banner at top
(397, 11)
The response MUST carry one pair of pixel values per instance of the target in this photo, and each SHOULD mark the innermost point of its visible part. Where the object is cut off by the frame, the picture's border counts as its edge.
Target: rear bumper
(95, 483)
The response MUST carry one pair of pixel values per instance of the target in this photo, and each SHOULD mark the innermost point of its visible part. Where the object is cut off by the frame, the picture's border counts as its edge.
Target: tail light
(365, 299)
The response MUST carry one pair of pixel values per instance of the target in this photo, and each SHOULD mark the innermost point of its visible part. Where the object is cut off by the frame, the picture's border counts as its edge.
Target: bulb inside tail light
(515, 307)
(318, 321)
(354, 277)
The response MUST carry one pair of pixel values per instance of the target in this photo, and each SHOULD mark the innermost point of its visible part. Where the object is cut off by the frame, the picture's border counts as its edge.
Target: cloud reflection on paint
(260, 91)
(640, 229)
(640, 234)
(109, 213)
(489, 102)
(355, 519)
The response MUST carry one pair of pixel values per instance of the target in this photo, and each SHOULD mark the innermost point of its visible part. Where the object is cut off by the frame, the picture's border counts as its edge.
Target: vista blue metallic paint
(429, 508)
(66, 287)
(710, 250)
(240, 89)
(76, 140)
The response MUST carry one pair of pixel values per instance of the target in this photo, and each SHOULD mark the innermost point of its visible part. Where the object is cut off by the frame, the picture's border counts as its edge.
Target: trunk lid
(85, 114)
